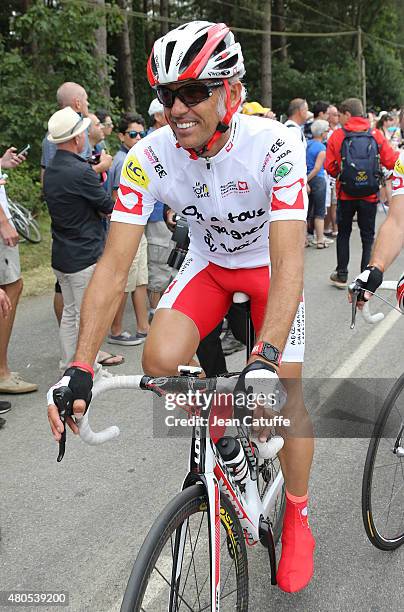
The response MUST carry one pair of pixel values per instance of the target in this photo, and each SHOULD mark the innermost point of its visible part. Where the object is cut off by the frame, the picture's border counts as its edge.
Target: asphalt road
(77, 526)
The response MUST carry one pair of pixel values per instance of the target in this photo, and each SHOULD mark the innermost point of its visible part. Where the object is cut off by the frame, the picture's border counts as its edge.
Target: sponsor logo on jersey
(268, 156)
(233, 187)
(277, 145)
(201, 190)
(282, 155)
(132, 205)
(154, 160)
(289, 196)
(134, 173)
(282, 171)
(399, 166)
(397, 183)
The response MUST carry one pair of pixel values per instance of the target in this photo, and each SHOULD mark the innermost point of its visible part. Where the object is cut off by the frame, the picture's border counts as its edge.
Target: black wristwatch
(268, 351)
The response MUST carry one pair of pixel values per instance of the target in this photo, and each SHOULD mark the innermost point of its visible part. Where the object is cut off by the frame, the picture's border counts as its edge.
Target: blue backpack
(360, 164)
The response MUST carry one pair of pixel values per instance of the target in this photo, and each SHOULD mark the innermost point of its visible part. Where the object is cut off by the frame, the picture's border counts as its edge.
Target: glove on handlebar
(369, 280)
(79, 382)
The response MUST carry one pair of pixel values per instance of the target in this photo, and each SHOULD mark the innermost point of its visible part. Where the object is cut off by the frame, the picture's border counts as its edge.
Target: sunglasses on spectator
(134, 133)
(190, 95)
(107, 124)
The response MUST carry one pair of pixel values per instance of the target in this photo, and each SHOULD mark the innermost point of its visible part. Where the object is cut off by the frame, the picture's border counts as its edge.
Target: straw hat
(65, 124)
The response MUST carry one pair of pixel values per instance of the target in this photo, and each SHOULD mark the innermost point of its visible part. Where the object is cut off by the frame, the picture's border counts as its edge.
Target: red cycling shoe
(296, 565)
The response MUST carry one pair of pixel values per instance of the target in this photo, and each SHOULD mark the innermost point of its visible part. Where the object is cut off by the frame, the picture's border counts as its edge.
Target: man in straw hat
(75, 199)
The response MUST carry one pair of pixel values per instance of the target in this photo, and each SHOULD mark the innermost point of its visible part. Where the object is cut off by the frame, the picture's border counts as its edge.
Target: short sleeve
(135, 200)
(285, 179)
(398, 176)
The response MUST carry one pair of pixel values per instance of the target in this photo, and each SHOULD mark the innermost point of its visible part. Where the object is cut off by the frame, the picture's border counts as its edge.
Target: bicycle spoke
(192, 556)
(169, 584)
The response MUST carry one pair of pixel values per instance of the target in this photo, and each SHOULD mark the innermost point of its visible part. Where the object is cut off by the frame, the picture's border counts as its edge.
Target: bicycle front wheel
(383, 477)
(173, 572)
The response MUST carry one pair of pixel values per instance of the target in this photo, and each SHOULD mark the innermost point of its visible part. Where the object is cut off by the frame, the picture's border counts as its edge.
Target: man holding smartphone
(10, 279)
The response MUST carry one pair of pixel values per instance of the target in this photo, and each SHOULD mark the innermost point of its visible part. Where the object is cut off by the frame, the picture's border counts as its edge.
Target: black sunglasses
(134, 133)
(190, 94)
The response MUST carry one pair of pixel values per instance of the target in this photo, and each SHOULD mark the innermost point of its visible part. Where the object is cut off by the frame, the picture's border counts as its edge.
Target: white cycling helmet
(195, 50)
(400, 293)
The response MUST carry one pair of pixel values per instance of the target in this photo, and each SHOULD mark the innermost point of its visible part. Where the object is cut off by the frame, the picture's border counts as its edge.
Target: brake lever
(354, 291)
(63, 398)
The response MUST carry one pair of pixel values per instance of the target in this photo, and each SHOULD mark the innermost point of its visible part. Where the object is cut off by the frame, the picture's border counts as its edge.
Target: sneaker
(15, 384)
(338, 280)
(328, 240)
(141, 336)
(230, 345)
(4, 407)
(124, 339)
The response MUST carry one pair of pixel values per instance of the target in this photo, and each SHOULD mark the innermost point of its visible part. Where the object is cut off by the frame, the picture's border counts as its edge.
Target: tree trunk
(266, 60)
(125, 62)
(101, 50)
(280, 27)
(164, 13)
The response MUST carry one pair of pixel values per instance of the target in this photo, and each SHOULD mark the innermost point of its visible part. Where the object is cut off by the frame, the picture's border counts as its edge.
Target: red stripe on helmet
(150, 74)
(215, 35)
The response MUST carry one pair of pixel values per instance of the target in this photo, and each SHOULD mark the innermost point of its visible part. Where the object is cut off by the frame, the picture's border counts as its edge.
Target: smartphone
(25, 150)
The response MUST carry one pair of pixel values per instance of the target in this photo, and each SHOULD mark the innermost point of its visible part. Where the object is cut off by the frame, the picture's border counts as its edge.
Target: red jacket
(332, 164)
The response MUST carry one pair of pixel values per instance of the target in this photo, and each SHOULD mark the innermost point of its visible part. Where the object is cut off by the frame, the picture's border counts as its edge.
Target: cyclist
(236, 179)
(389, 242)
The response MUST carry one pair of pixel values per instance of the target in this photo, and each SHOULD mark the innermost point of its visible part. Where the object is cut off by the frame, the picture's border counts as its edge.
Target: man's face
(95, 131)
(131, 135)
(193, 126)
(303, 113)
(333, 117)
(107, 126)
(81, 104)
(344, 117)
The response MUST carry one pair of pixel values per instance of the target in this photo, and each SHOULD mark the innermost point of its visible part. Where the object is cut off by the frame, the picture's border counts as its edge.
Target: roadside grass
(36, 261)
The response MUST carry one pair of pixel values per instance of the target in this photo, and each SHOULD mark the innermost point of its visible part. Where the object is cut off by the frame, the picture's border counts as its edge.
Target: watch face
(270, 353)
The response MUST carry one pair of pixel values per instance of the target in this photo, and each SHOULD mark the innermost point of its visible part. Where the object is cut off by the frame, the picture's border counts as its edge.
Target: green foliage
(23, 186)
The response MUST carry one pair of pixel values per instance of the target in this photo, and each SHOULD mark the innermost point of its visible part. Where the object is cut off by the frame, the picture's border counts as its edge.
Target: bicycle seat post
(242, 298)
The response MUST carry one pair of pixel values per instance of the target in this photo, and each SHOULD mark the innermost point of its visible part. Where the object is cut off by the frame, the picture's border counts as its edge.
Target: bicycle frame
(207, 467)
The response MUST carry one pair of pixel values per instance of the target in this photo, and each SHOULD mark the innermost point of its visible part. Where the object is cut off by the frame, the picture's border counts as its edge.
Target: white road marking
(367, 346)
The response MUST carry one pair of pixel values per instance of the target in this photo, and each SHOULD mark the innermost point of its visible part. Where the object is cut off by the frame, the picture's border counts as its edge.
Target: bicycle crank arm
(267, 539)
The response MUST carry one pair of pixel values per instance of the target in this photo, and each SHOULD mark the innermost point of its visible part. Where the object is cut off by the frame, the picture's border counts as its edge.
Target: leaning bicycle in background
(238, 180)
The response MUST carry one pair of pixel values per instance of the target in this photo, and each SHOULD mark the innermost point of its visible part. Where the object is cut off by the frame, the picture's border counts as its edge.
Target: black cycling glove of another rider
(369, 280)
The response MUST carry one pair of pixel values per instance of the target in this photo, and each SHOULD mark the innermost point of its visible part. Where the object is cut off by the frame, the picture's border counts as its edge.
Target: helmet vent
(169, 54)
(192, 52)
(229, 63)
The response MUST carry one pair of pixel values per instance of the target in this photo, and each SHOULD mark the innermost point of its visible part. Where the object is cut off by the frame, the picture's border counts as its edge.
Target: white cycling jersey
(258, 177)
(398, 176)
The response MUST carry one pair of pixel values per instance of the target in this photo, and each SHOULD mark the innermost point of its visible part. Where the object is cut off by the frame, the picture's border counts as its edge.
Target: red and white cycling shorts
(203, 291)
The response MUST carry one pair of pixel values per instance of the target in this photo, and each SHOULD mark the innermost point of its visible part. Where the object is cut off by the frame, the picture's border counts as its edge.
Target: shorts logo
(134, 173)
(201, 190)
(282, 171)
(399, 166)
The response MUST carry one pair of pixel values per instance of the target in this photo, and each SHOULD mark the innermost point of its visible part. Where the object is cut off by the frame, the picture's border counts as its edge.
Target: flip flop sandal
(107, 363)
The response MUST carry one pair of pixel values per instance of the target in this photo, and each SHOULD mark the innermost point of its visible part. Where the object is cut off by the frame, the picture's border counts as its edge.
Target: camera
(94, 159)
(181, 238)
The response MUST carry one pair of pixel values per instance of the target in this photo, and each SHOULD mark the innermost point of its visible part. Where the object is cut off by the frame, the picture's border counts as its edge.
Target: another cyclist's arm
(287, 265)
(390, 238)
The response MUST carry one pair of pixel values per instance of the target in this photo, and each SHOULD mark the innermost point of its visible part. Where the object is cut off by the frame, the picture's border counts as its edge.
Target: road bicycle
(195, 555)
(383, 476)
(24, 222)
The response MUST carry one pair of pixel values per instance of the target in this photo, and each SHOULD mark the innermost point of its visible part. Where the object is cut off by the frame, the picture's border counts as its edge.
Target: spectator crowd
(80, 185)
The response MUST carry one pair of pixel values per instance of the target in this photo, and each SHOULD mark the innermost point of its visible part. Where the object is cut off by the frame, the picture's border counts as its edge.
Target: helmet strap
(221, 127)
